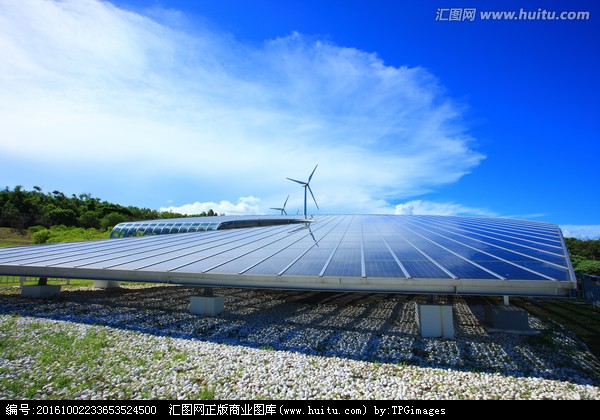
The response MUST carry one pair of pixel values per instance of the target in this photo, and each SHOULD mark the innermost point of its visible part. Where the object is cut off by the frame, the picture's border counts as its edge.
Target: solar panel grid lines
(135, 246)
(309, 233)
(324, 268)
(437, 264)
(288, 243)
(502, 248)
(229, 261)
(254, 235)
(134, 249)
(246, 253)
(463, 258)
(540, 247)
(192, 246)
(380, 259)
(57, 252)
(346, 262)
(520, 266)
(509, 232)
(363, 269)
(502, 259)
(404, 271)
(26, 252)
(310, 251)
(413, 262)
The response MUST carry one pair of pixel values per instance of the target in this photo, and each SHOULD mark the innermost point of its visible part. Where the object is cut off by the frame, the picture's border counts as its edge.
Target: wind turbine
(306, 186)
(281, 208)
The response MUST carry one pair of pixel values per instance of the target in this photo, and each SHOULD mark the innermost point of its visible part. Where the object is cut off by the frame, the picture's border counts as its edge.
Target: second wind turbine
(306, 186)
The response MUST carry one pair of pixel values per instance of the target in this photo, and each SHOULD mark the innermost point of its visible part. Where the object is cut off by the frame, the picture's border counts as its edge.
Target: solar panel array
(388, 253)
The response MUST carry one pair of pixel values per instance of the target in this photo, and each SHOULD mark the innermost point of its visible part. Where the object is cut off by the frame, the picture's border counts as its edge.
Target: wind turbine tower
(306, 186)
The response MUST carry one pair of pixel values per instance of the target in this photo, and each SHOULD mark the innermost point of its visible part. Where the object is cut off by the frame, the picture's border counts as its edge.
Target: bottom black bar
(238, 408)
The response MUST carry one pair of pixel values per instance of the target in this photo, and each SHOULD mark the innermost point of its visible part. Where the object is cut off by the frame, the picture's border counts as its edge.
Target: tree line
(585, 255)
(55, 217)
(21, 209)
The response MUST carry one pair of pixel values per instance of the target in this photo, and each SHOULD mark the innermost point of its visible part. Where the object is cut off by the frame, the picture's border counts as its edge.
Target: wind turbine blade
(312, 173)
(299, 182)
(313, 196)
(284, 212)
(313, 236)
(285, 202)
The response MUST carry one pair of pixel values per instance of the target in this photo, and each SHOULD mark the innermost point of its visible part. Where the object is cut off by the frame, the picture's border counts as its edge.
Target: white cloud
(245, 205)
(121, 95)
(424, 207)
(581, 231)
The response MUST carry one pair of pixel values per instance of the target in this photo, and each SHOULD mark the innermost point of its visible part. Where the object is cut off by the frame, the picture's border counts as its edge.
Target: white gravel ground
(283, 345)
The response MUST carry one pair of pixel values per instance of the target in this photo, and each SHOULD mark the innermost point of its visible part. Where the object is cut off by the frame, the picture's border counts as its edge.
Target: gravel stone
(284, 345)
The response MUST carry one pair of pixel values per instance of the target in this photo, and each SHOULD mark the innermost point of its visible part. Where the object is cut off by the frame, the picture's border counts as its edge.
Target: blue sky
(190, 106)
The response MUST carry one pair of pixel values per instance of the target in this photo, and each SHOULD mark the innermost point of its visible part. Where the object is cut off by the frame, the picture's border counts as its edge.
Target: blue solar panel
(424, 269)
(384, 269)
(470, 254)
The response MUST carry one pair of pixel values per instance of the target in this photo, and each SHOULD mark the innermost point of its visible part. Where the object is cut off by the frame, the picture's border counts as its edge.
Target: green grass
(11, 237)
(205, 394)
(11, 282)
(46, 348)
(65, 360)
(574, 314)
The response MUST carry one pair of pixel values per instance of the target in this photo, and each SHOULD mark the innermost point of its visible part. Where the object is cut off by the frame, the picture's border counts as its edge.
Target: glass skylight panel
(175, 228)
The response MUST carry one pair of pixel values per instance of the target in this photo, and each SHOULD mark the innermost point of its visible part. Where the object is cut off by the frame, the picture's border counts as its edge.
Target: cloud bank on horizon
(132, 95)
(144, 98)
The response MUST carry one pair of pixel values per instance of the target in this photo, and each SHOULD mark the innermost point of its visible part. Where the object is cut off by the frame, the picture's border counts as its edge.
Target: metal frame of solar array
(374, 253)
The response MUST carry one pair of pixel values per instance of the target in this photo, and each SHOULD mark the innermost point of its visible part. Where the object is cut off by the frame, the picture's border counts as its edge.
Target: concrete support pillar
(106, 284)
(506, 301)
(207, 303)
(507, 318)
(435, 320)
(37, 291)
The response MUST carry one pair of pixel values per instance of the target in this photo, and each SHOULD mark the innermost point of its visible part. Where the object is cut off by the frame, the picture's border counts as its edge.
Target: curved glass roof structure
(376, 253)
(196, 224)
